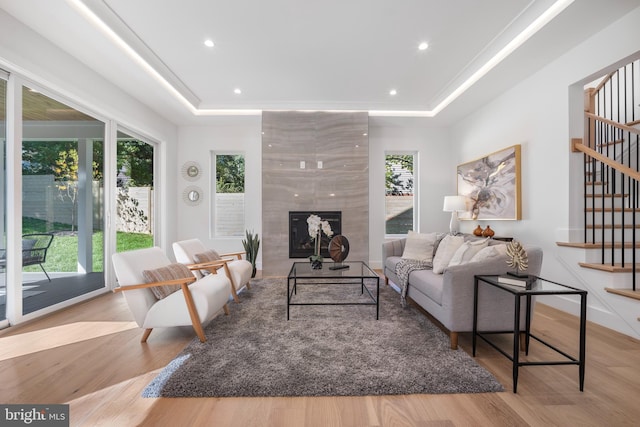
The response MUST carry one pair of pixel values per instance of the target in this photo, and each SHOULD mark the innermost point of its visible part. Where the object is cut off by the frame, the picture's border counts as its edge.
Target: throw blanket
(404, 269)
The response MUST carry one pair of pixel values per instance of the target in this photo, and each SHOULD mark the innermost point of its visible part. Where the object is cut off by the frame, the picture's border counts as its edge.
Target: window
(399, 193)
(228, 199)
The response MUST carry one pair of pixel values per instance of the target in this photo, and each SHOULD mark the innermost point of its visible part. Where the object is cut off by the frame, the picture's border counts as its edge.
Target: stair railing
(611, 167)
(611, 164)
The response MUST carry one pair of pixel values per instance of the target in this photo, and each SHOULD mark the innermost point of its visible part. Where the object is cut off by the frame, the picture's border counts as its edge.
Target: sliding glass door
(62, 202)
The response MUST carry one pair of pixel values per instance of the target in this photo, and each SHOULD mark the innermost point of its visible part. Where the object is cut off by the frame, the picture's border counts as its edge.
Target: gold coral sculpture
(517, 256)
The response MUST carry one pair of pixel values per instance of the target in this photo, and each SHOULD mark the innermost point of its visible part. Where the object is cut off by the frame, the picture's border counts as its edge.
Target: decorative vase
(478, 231)
(488, 232)
(316, 258)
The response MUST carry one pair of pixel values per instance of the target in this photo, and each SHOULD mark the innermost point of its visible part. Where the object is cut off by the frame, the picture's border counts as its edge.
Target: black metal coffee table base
(301, 274)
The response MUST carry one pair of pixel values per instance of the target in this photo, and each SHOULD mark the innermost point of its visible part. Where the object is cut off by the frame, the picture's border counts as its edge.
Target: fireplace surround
(313, 162)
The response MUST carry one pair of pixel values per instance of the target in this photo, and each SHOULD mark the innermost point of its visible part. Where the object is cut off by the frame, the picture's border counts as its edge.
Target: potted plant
(251, 245)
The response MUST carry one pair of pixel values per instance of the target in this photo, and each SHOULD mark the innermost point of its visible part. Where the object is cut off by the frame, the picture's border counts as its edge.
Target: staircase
(610, 149)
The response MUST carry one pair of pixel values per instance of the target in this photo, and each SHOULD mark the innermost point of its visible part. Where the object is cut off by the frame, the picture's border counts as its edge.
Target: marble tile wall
(340, 183)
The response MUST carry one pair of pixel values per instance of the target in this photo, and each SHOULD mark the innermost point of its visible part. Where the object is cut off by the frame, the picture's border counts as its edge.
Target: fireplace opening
(300, 243)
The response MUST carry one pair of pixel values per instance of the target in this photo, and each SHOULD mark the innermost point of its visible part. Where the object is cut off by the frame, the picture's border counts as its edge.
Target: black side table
(535, 286)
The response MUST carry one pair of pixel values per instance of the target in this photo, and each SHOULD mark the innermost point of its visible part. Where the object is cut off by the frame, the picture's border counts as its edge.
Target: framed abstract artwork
(492, 186)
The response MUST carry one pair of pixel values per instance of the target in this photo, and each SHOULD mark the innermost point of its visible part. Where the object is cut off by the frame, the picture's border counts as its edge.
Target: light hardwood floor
(90, 357)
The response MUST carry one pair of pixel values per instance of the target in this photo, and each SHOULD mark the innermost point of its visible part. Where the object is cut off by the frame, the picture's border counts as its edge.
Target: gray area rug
(321, 351)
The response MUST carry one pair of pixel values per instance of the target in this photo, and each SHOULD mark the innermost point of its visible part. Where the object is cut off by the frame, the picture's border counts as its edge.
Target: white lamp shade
(455, 204)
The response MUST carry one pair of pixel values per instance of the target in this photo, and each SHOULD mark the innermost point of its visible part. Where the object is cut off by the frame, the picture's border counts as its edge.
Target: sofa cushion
(419, 246)
(490, 252)
(467, 251)
(428, 283)
(448, 246)
(169, 272)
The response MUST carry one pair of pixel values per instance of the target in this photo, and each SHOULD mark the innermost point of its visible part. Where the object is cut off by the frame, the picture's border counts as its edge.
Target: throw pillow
(419, 246)
(466, 252)
(489, 252)
(169, 272)
(448, 246)
(206, 256)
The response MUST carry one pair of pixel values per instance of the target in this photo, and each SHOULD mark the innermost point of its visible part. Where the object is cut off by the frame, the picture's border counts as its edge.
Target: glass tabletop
(534, 285)
(354, 269)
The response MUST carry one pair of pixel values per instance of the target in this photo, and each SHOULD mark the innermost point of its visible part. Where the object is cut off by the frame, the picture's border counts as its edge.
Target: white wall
(436, 176)
(196, 143)
(537, 114)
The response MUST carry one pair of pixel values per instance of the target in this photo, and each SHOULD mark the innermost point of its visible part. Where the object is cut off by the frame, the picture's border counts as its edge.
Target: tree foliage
(229, 173)
(135, 162)
(395, 164)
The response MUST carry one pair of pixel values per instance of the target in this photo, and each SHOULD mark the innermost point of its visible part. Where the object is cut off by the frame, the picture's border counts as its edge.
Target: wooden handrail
(605, 80)
(579, 146)
(612, 123)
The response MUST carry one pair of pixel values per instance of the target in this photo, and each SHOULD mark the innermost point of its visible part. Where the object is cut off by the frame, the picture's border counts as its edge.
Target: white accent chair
(238, 270)
(196, 303)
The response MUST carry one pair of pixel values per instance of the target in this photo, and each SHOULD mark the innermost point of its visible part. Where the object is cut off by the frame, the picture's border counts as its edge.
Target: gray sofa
(448, 297)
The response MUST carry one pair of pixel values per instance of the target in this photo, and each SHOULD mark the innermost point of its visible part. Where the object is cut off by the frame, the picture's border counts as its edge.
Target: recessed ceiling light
(364, 134)
(423, 46)
(237, 91)
(393, 92)
(209, 43)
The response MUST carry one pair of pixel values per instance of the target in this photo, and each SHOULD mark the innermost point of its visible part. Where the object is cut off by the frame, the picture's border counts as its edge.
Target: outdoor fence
(42, 199)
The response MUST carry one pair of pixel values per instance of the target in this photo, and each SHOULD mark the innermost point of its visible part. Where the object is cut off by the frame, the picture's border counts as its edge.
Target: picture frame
(492, 186)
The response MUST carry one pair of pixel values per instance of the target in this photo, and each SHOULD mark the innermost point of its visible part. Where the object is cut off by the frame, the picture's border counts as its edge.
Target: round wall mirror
(192, 195)
(191, 171)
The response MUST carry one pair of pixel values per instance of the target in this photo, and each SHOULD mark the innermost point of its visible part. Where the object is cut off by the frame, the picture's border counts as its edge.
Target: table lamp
(454, 204)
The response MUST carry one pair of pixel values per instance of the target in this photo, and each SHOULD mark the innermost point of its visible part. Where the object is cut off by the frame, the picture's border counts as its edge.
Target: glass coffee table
(352, 273)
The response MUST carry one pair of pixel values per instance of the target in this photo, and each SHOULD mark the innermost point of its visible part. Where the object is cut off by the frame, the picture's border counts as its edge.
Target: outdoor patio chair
(162, 294)
(202, 260)
(34, 250)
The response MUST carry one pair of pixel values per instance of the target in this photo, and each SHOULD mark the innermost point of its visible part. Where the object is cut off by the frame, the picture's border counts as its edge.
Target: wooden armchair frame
(184, 285)
(230, 264)
(214, 266)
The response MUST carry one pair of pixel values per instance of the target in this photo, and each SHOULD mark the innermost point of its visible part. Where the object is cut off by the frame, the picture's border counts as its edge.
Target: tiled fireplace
(313, 162)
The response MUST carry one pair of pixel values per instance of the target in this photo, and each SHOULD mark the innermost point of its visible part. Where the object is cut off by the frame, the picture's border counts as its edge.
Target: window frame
(415, 199)
(214, 193)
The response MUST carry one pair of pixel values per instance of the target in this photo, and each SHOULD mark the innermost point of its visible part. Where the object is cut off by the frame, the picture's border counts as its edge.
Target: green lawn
(62, 256)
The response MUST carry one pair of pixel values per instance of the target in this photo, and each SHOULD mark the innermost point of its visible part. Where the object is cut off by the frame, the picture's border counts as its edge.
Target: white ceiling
(320, 55)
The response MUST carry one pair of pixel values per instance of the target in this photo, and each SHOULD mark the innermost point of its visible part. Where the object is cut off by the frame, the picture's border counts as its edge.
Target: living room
(542, 112)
